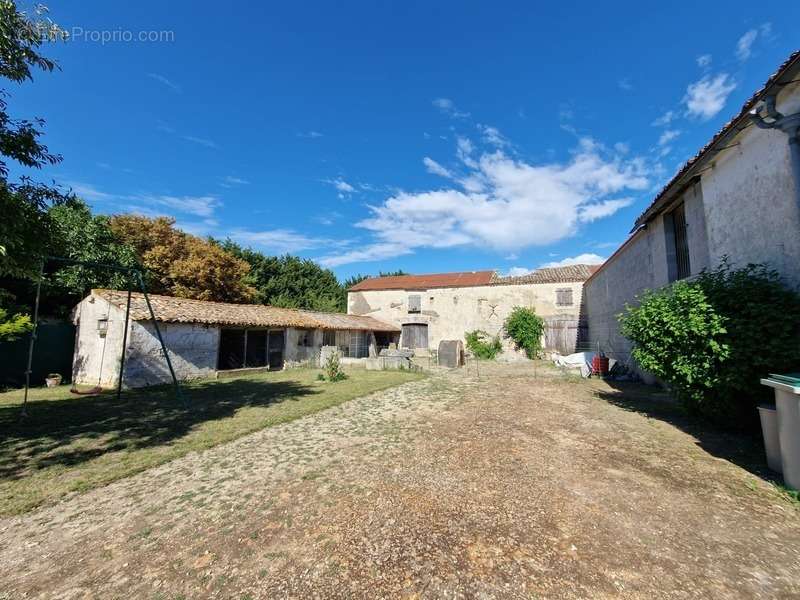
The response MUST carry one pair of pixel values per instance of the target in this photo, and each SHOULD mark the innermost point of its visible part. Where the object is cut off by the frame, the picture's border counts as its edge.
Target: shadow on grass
(73, 430)
(741, 448)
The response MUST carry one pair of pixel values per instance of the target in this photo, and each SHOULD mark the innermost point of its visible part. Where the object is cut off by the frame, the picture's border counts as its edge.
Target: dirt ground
(522, 483)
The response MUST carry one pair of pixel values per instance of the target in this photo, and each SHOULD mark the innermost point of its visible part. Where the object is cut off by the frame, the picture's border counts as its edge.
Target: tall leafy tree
(183, 265)
(25, 227)
(289, 281)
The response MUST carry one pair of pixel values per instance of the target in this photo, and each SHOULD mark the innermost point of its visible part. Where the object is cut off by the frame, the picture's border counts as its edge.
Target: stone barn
(444, 306)
(204, 338)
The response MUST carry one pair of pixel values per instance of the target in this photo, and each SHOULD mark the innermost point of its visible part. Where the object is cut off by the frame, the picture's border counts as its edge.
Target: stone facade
(451, 312)
(193, 347)
(741, 203)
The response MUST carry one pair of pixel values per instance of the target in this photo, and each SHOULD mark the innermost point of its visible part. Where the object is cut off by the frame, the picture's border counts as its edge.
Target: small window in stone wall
(305, 338)
(414, 303)
(564, 297)
(329, 337)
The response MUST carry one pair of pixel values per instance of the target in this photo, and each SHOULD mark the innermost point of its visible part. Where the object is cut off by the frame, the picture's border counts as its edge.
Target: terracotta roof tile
(474, 279)
(566, 274)
(182, 310)
(425, 282)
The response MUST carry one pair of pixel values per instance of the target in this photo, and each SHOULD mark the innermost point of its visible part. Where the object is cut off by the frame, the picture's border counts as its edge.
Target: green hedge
(712, 338)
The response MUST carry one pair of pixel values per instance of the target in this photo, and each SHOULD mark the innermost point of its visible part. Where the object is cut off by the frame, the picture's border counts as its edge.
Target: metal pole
(158, 334)
(33, 340)
(124, 344)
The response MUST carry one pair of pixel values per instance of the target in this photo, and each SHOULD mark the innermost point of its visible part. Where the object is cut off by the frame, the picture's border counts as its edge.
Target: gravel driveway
(522, 483)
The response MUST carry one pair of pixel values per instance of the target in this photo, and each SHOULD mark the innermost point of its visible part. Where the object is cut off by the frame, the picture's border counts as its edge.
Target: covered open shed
(203, 338)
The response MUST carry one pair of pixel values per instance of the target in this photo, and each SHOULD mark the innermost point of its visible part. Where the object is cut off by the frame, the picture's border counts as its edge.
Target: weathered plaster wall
(617, 283)
(744, 207)
(751, 208)
(96, 358)
(450, 312)
(295, 355)
(192, 349)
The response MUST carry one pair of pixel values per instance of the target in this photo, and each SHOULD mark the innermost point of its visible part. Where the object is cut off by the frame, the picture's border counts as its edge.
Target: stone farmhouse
(739, 198)
(431, 308)
(204, 338)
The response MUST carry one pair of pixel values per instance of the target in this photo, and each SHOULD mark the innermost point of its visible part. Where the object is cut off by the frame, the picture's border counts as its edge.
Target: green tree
(24, 228)
(79, 235)
(12, 326)
(289, 281)
(183, 265)
(482, 345)
(711, 339)
(525, 327)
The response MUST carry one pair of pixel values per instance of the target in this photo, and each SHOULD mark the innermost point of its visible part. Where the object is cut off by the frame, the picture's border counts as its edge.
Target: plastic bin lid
(792, 379)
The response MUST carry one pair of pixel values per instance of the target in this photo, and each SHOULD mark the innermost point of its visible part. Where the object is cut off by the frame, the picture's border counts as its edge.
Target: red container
(600, 365)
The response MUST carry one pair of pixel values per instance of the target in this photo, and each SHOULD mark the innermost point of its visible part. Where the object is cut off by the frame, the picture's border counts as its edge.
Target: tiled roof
(736, 124)
(425, 282)
(182, 310)
(474, 279)
(566, 274)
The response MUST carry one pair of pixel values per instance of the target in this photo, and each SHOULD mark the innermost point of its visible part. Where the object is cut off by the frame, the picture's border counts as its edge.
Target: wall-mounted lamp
(102, 327)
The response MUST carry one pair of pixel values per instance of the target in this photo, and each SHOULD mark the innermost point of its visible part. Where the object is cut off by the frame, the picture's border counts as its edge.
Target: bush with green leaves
(713, 338)
(525, 328)
(13, 326)
(333, 368)
(482, 345)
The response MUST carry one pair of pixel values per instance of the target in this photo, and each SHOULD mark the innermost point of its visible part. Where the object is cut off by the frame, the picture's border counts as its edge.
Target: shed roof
(183, 310)
(566, 274)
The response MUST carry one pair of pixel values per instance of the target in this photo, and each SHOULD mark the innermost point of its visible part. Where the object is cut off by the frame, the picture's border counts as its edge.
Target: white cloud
(518, 271)
(665, 119)
(88, 192)
(502, 203)
(201, 206)
(705, 98)
(310, 134)
(434, 167)
(744, 47)
(599, 210)
(492, 135)
(341, 186)
(278, 240)
(704, 61)
(163, 80)
(668, 136)
(448, 107)
(200, 141)
(378, 251)
(625, 84)
(588, 258)
(231, 180)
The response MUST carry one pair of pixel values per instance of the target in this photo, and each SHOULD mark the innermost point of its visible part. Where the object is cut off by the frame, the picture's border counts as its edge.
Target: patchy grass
(70, 443)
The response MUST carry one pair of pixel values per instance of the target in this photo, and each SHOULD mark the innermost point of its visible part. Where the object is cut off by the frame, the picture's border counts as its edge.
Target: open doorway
(251, 348)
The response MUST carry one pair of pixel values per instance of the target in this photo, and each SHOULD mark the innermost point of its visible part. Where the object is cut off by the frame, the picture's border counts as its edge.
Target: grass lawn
(72, 443)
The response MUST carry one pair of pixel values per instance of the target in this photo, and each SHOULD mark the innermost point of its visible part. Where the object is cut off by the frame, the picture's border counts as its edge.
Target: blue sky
(427, 136)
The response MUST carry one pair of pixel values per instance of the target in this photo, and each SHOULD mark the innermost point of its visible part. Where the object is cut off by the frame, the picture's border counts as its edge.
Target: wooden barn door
(415, 335)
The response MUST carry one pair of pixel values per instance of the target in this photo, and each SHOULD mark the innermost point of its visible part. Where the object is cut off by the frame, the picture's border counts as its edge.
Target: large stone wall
(192, 349)
(744, 207)
(450, 312)
(751, 207)
(96, 357)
